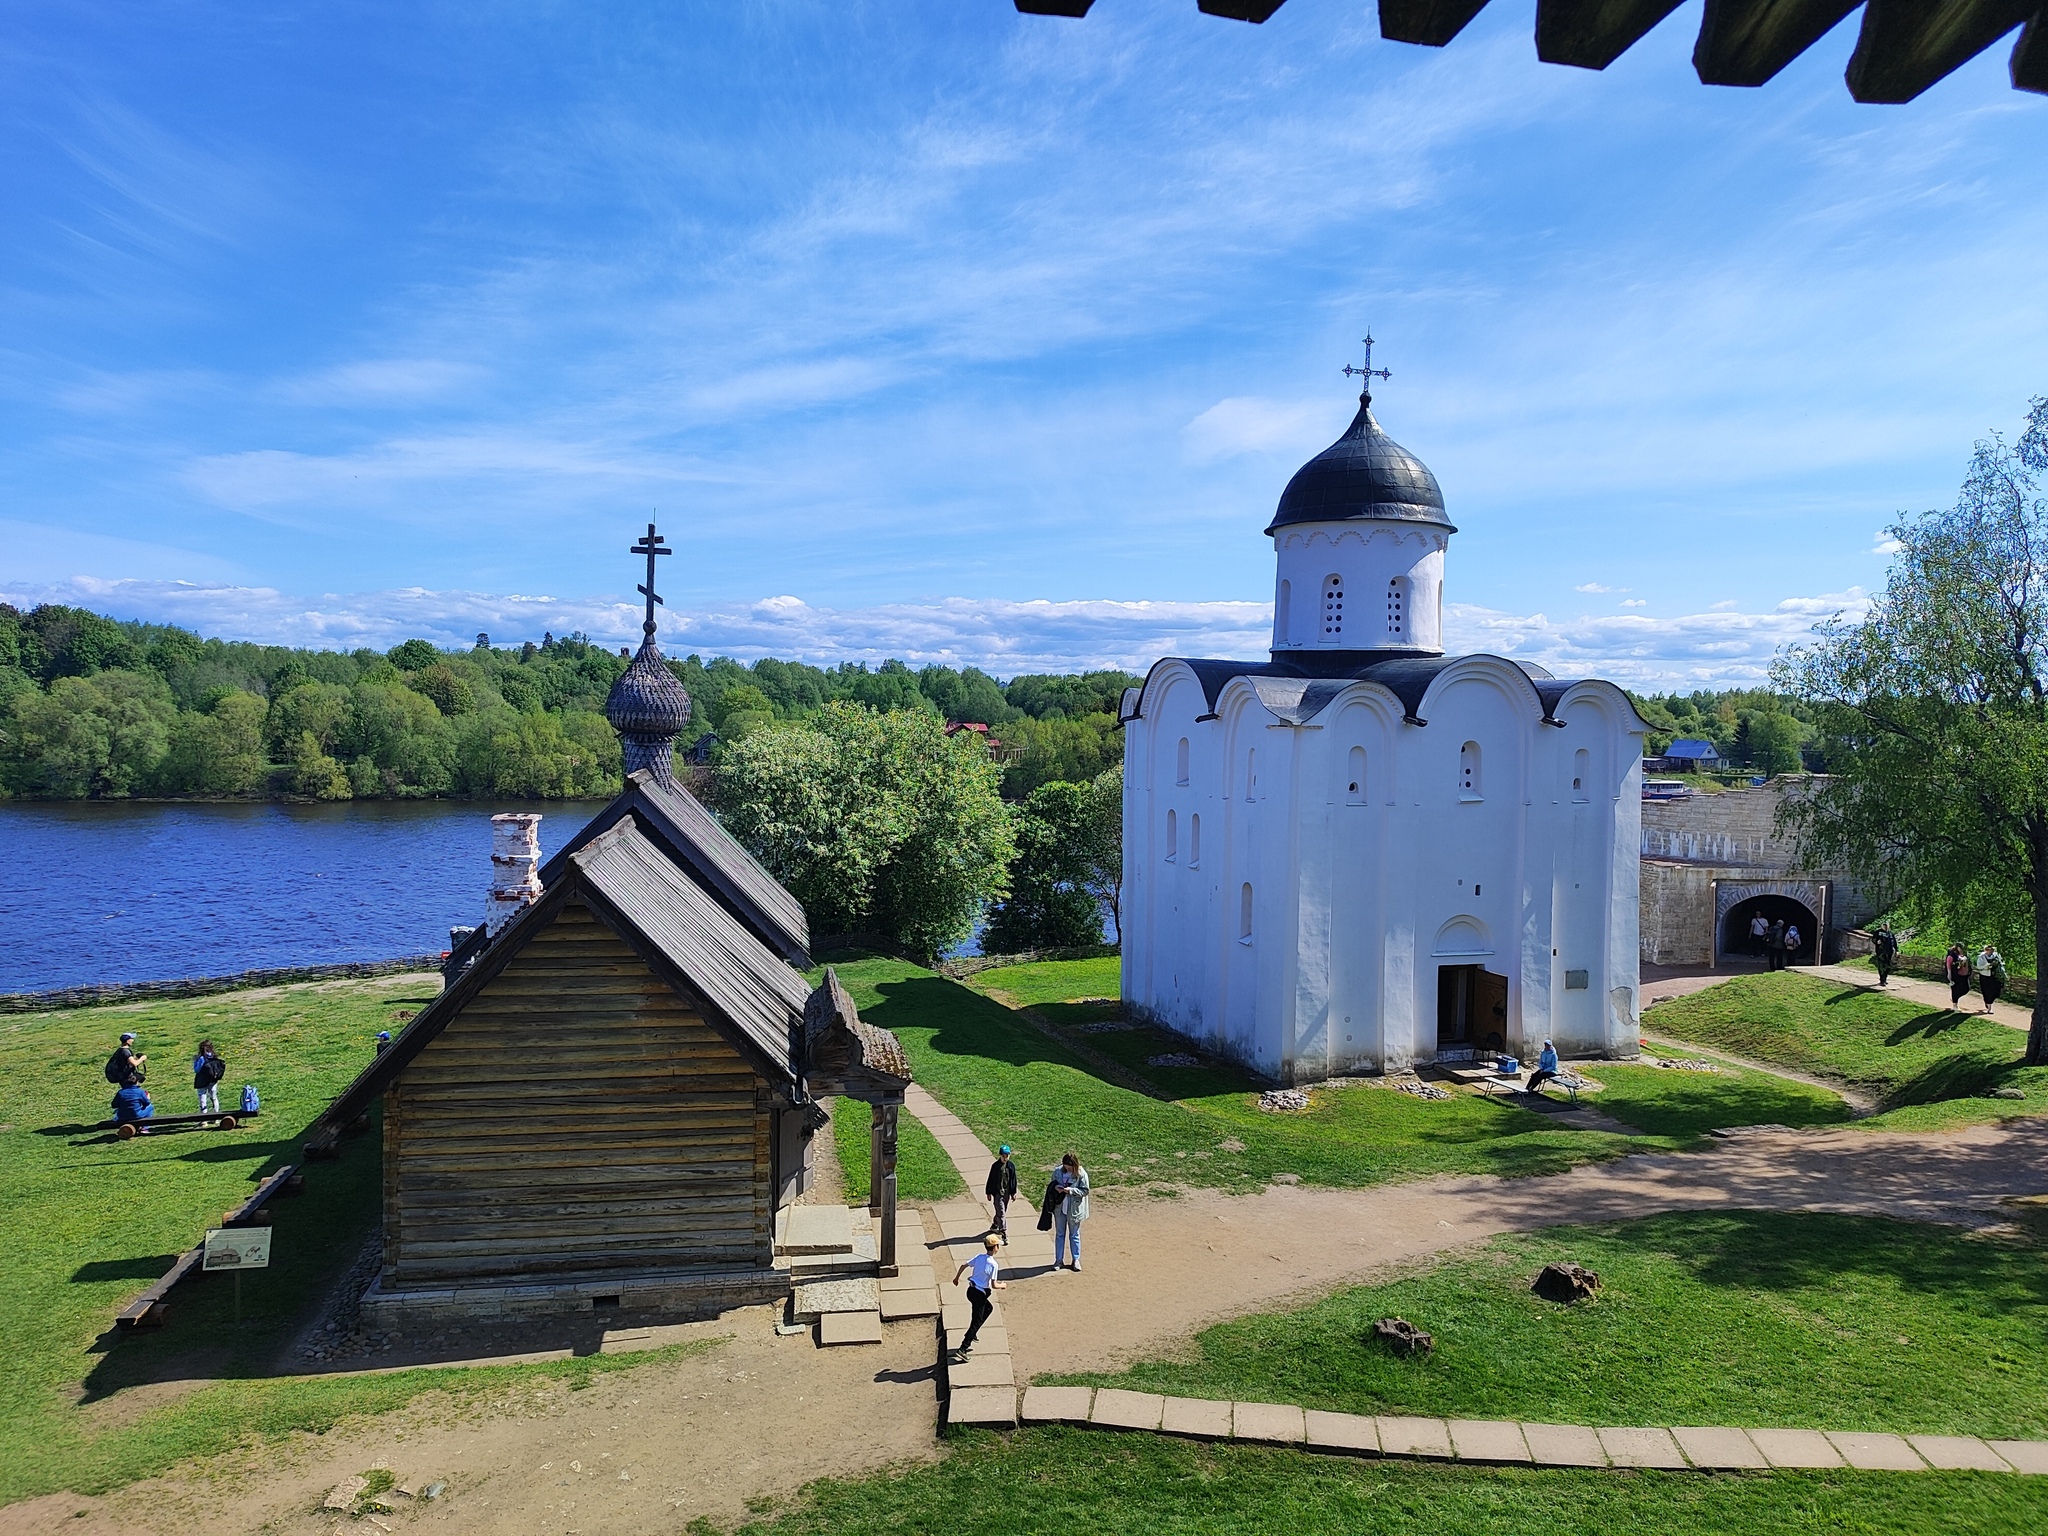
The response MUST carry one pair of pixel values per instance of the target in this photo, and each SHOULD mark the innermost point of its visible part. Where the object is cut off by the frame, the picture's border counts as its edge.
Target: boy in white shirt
(981, 1271)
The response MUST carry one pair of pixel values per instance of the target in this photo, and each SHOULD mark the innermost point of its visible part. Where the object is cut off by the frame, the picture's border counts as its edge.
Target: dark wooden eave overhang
(1904, 46)
(750, 995)
(846, 1055)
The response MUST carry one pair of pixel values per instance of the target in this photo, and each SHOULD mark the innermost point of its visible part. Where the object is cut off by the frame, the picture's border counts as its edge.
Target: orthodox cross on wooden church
(1368, 372)
(653, 545)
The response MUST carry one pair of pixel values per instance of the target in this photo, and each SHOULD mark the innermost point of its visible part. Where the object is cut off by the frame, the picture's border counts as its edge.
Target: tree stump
(1566, 1283)
(1402, 1336)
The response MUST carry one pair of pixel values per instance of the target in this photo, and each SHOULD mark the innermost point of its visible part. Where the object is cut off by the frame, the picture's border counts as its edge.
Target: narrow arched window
(1468, 770)
(1582, 774)
(1283, 613)
(1244, 913)
(1397, 610)
(1333, 609)
(1180, 762)
(1172, 834)
(1251, 773)
(1194, 841)
(1355, 784)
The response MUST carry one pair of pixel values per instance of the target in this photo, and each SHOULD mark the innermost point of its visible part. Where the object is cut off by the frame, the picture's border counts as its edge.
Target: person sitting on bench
(132, 1106)
(1546, 1068)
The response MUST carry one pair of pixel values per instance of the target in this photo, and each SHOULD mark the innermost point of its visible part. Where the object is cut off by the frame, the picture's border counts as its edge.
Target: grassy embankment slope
(91, 1220)
(1927, 1068)
(1098, 1090)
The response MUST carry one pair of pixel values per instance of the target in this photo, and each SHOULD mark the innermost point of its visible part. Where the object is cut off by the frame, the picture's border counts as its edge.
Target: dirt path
(1156, 1270)
(1929, 994)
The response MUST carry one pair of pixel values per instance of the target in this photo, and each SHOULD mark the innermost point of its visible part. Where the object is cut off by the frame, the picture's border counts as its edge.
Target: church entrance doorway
(1736, 939)
(1471, 1011)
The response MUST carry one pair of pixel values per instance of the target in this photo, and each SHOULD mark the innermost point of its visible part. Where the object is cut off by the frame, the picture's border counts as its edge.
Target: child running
(981, 1270)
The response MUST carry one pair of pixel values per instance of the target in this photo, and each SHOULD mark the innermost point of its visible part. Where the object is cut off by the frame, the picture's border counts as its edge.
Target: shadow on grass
(151, 1267)
(1926, 1027)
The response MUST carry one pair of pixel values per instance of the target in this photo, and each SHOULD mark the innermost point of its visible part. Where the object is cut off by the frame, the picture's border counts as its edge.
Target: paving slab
(1414, 1437)
(1357, 1433)
(1958, 1453)
(816, 1229)
(983, 1368)
(1489, 1440)
(849, 1328)
(2030, 1456)
(897, 1306)
(1058, 1405)
(995, 1407)
(1268, 1423)
(1875, 1453)
(994, 1339)
(910, 1277)
(1564, 1445)
(1118, 1409)
(1641, 1447)
(1201, 1418)
(817, 1297)
(1796, 1448)
(1718, 1450)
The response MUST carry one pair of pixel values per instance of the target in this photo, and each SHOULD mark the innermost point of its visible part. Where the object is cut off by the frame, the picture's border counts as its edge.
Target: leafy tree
(90, 736)
(876, 822)
(1769, 741)
(1102, 847)
(449, 690)
(219, 752)
(1050, 905)
(1054, 749)
(740, 709)
(1935, 706)
(314, 774)
(318, 708)
(413, 655)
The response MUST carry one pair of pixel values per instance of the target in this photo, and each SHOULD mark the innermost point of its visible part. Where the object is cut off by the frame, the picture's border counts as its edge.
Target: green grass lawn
(1011, 1081)
(923, 1171)
(1751, 1318)
(1067, 1482)
(1662, 1102)
(92, 1220)
(1927, 1068)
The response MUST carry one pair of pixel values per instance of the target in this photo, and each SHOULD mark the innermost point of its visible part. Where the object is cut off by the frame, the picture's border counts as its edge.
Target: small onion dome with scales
(1364, 476)
(648, 706)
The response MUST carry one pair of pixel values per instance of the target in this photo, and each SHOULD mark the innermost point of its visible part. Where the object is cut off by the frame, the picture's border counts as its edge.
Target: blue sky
(939, 331)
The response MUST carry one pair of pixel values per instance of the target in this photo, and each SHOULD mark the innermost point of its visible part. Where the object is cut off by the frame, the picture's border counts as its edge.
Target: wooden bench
(149, 1310)
(128, 1130)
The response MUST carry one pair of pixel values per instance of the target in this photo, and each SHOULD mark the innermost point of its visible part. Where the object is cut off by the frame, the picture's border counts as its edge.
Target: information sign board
(238, 1248)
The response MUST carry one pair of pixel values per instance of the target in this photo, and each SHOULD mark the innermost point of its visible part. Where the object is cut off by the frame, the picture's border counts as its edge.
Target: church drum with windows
(1362, 854)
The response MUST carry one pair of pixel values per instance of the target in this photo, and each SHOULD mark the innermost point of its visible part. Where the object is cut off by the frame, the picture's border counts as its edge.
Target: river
(105, 891)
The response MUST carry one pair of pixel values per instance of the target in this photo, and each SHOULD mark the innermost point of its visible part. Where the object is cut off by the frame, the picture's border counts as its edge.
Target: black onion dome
(648, 707)
(1364, 475)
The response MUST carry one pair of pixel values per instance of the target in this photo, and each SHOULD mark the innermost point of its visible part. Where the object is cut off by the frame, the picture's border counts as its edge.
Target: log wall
(577, 1117)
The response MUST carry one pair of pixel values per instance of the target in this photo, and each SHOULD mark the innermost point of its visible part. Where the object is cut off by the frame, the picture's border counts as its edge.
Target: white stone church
(1362, 854)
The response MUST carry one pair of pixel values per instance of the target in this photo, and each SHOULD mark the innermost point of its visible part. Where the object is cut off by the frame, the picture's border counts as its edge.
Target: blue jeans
(1066, 1233)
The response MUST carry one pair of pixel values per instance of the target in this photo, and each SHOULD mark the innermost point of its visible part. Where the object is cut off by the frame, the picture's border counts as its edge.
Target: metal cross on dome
(1368, 372)
(652, 546)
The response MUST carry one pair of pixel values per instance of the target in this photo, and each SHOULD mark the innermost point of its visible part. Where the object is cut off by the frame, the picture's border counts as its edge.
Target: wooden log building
(616, 1092)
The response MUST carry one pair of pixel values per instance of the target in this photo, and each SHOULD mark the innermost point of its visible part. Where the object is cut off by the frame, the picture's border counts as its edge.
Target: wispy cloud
(1003, 637)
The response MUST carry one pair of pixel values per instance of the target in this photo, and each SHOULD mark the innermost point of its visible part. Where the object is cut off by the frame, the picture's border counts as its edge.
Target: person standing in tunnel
(1774, 944)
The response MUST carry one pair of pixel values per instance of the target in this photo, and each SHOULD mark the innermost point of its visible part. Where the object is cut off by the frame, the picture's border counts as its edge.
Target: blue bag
(250, 1103)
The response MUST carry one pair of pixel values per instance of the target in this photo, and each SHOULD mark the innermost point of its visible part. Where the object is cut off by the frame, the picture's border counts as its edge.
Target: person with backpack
(1793, 941)
(1776, 941)
(207, 1071)
(1001, 1190)
(127, 1066)
(1956, 966)
(1884, 952)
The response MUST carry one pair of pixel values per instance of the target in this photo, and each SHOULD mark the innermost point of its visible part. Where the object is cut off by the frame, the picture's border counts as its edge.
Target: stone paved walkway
(984, 1386)
(1503, 1441)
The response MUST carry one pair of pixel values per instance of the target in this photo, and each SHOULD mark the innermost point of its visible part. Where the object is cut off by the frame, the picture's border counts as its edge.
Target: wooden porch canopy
(1904, 46)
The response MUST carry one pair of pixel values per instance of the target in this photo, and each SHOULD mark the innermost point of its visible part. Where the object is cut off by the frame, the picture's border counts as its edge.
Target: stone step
(822, 1297)
(990, 1407)
(849, 1328)
(801, 1229)
(981, 1370)
(898, 1305)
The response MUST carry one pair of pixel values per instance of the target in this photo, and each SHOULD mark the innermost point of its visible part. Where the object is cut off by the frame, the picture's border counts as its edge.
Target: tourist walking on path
(1760, 935)
(1884, 950)
(1546, 1068)
(1956, 966)
(1001, 1190)
(1990, 974)
(207, 1071)
(982, 1271)
(1775, 945)
(1069, 1213)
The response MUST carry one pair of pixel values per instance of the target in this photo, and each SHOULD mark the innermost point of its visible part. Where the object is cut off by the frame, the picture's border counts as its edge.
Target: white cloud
(1635, 602)
(1886, 545)
(1714, 649)
(393, 380)
(1245, 424)
(1594, 586)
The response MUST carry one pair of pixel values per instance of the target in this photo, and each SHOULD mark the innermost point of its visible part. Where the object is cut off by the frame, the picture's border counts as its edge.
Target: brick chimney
(515, 868)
